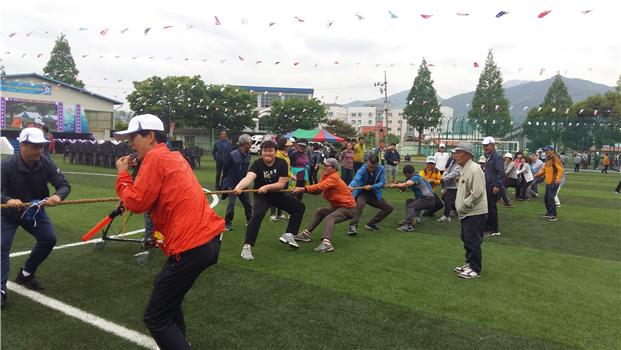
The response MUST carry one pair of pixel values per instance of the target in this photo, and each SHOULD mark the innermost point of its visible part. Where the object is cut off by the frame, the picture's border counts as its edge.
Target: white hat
(430, 159)
(508, 155)
(32, 135)
(482, 159)
(139, 123)
(487, 140)
(442, 145)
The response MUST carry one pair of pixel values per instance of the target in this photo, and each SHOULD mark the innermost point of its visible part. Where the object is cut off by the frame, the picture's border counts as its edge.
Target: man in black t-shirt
(270, 175)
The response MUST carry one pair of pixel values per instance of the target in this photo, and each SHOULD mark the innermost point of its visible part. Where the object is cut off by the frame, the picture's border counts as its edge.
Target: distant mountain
(520, 93)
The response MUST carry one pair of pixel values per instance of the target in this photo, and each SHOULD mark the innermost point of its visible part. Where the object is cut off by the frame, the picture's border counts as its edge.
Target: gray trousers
(422, 203)
(368, 197)
(331, 217)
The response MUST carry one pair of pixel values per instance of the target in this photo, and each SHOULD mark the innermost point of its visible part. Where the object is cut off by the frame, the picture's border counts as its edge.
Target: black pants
(525, 187)
(164, 314)
(368, 197)
(299, 183)
(437, 206)
(347, 175)
(244, 198)
(262, 202)
(492, 210)
(515, 183)
(472, 228)
(449, 201)
(504, 195)
(605, 170)
(219, 167)
(312, 175)
(357, 166)
(576, 167)
(618, 187)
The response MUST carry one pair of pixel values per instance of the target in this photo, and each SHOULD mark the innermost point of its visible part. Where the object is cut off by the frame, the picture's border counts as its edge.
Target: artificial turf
(544, 285)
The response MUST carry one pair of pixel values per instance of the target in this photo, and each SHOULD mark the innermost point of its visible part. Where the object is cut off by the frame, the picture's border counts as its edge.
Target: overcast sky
(566, 40)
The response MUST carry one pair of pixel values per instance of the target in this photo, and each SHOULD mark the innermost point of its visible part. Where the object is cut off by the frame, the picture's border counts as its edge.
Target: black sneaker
(372, 227)
(29, 282)
(352, 231)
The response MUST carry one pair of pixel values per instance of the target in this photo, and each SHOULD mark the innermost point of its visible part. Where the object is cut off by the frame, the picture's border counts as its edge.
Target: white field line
(103, 324)
(77, 244)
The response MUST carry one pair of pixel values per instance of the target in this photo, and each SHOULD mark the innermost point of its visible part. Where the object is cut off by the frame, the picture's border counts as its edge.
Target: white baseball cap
(508, 155)
(487, 140)
(442, 145)
(430, 159)
(139, 123)
(32, 135)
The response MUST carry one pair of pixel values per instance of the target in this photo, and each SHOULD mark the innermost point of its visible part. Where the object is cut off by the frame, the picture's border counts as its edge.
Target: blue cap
(548, 148)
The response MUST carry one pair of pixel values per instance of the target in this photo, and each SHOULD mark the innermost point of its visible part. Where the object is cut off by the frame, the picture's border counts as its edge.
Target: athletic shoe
(495, 233)
(29, 282)
(282, 217)
(544, 215)
(324, 247)
(273, 218)
(228, 227)
(487, 233)
(303, 236)
(552, 218)
(372, 227)
(419, 220)
(246, 253)
(444, 219)
(469, 273)
(460, 269)
(287, 238)
(406, 228)
(558, 205)
(352, 231)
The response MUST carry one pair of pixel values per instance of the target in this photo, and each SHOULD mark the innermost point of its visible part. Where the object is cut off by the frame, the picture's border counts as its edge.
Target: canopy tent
(316, 135)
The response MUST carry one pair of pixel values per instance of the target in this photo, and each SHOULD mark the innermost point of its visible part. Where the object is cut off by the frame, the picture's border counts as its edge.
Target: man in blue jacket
(221, 151)
(494, 173)
(235, 169)
(371, 176)
(24, 179)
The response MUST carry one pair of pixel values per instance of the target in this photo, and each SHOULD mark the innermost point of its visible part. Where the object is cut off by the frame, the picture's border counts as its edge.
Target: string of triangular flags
(299, 19)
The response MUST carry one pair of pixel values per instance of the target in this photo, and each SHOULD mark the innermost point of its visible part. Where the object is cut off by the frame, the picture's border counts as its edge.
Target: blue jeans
(44, 234)
(549, 199)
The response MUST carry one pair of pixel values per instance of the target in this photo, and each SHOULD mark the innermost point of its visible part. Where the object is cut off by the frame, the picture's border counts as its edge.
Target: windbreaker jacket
(335, 191)
(553, 170)
(167, 188)
(361, 177)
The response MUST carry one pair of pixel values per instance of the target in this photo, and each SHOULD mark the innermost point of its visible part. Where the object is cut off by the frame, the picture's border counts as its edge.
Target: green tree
(292, 114)
(340, 128)
(392, 138)
(595, 121)
(546, 123)
(61, 65)
(422, 109)
(187, 101)
(230, 108)
(490, 107)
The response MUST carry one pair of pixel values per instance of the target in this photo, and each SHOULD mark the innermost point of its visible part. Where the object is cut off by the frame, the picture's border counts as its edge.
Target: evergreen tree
(61, 65)
(490, 107)
(340, 128)
(547, 122)
(422, 109)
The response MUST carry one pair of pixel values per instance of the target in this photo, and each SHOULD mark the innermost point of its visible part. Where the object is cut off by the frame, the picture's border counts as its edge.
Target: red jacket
(334, 191)
(167, 188)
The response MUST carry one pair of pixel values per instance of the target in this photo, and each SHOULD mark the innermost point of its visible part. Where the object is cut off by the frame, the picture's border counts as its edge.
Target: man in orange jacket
(342, 205)
(553, 171)
(186, 228)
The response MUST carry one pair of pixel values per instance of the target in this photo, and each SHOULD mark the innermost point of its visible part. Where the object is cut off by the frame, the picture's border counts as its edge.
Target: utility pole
(384, 89)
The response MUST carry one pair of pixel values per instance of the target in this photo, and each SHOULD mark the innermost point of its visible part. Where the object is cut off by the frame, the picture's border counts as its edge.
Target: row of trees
(188, 101)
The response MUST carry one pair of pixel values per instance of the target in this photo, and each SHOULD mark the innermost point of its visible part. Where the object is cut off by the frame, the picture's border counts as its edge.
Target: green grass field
(544, 285)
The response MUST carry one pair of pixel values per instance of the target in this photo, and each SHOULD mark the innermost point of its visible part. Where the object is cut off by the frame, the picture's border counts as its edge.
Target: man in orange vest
(186, 228)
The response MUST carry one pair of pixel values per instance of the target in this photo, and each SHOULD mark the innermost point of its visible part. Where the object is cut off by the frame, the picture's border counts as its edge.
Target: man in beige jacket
(471, 205)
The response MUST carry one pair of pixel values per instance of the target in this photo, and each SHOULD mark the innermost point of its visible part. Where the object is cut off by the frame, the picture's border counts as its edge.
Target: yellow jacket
(553, 170)
(606, 161)
(434, 178)
(359, 152)
(285, 156)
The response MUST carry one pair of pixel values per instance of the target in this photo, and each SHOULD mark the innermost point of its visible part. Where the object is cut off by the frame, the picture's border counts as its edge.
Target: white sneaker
(273, 218)
(460, 269)
(283, 217)
(469, 273)
(495, 233)
(246, 253)
(444, 219)
(287, 238)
